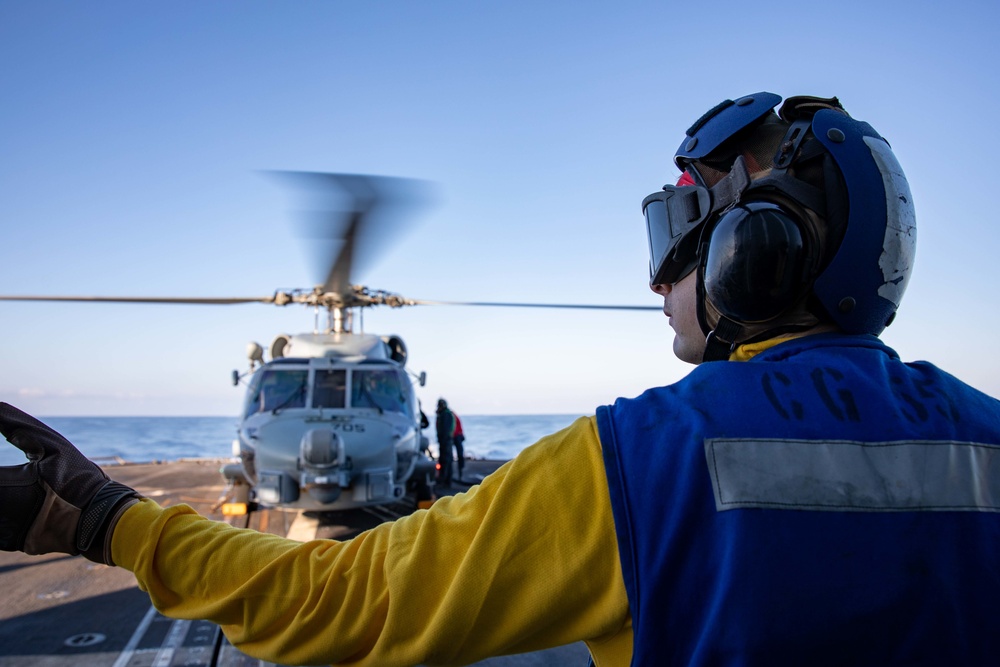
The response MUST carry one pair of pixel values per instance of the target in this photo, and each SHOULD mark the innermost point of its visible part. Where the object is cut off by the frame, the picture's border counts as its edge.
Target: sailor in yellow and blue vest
(802, 497)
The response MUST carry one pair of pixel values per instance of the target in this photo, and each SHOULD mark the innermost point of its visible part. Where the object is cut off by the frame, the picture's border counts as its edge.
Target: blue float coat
(822, 504)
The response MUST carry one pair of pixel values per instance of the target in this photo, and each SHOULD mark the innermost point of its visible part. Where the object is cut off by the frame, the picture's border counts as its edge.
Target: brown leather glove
(59, 501)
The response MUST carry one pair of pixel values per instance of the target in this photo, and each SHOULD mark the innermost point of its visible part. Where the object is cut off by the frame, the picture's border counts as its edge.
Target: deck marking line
(175, 637)
(129, 649)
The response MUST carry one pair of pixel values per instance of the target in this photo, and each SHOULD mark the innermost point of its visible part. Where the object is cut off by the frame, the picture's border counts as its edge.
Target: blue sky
(134, 137)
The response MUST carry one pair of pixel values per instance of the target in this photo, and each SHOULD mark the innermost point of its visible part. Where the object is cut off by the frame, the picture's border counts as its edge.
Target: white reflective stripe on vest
(854, 476)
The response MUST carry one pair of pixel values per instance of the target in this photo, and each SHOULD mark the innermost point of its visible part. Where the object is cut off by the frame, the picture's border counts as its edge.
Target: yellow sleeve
(524, 561)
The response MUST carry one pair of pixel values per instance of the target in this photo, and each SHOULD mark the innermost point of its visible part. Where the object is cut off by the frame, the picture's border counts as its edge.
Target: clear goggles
(672, 218)
(675, 217)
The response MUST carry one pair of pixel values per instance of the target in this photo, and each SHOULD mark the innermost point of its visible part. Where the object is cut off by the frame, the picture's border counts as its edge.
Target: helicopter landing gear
(235, 503)
(422, 482)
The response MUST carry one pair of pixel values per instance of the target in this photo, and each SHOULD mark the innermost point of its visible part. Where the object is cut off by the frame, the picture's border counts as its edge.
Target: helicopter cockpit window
(380, 389)
(278, 390)
(330, 388)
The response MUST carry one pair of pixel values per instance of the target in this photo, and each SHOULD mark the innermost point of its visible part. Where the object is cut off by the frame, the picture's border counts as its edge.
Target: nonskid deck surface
(58, 611)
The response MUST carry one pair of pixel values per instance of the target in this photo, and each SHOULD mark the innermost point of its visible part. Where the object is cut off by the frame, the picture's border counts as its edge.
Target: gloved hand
(59, 500)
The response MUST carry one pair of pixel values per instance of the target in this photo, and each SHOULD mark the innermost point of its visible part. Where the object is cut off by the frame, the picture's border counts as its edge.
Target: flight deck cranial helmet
(791, 219)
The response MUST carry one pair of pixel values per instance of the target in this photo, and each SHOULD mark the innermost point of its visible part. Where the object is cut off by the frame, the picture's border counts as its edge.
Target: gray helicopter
(330, 419)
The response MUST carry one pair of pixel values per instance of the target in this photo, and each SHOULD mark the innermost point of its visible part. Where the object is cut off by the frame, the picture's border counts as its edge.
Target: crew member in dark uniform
(445, 428)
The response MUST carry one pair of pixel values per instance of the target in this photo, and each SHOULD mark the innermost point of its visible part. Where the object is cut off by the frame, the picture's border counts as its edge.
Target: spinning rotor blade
(213, 301)
(353, 298)
(583, 306)
(354, 217)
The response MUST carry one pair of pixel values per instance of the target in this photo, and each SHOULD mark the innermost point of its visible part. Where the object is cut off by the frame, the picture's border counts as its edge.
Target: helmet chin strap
(719, 348)
(721, 341)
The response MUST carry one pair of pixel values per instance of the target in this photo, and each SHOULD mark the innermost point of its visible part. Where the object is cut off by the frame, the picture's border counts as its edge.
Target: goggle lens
(672, 218)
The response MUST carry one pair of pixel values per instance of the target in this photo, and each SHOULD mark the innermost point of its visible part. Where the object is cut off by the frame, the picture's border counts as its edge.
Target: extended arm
(526, 560)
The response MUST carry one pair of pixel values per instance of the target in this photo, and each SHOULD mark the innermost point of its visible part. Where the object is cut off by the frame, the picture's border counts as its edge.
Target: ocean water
(144, 439)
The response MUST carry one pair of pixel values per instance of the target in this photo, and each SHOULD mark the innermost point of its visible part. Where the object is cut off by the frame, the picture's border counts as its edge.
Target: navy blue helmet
(804, 209)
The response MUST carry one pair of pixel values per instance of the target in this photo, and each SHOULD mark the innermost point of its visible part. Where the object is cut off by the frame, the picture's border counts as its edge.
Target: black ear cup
(759, 262)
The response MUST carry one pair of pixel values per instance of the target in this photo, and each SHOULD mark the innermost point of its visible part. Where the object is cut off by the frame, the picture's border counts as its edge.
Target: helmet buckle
(790, 144)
